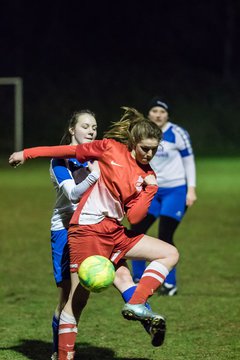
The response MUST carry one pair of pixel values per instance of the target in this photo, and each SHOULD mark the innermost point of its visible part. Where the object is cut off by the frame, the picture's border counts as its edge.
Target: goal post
(18, 109)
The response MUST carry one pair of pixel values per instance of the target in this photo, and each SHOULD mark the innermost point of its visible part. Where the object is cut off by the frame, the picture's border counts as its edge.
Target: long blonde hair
(132, 128)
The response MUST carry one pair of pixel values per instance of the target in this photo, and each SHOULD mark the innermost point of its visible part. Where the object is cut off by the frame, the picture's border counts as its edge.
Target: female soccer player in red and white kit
(126, 185)
(71, 179)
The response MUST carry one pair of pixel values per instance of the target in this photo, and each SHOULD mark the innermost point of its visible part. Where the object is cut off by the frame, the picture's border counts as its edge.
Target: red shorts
(107, 238)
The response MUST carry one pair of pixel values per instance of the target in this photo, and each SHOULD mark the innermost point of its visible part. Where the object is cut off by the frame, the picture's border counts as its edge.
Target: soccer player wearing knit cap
(174, 167)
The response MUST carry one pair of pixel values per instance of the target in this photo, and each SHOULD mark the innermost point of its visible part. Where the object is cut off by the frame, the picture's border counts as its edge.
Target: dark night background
(102, 55)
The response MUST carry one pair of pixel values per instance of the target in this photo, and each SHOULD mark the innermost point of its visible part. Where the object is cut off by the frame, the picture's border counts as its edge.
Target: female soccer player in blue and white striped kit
(174, 166)
(70, 179)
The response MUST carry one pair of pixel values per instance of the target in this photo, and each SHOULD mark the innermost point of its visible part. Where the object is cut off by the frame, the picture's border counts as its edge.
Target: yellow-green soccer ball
(96, 273)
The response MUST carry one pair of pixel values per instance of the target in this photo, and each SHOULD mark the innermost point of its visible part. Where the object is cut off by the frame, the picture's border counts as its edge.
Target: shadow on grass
(39, 350)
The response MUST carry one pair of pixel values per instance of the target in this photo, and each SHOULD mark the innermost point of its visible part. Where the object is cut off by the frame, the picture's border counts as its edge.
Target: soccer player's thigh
(150, 248)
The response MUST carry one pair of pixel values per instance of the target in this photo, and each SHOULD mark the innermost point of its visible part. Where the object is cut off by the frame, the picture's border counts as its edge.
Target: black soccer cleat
(166, 290)
(156, 328)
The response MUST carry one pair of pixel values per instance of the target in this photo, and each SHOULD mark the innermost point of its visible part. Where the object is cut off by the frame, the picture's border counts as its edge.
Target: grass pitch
(203, 320)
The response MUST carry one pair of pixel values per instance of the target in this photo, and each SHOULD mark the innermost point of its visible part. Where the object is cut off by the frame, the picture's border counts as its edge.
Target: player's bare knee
(122, 275)
(174, 255)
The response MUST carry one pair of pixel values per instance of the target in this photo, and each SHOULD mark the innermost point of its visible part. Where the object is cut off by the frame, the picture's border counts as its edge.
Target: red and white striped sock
(67, 334)
(152, 278)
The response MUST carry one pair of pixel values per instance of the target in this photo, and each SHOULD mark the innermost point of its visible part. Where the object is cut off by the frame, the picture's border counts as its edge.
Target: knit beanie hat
(157, 101)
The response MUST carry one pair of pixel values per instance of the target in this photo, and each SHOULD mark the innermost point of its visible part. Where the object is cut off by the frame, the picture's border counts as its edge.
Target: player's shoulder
(60, 171)
(114, 144)
(67, 163)
(179, 130)
(54, 162)
(177, 127)
(104, 144)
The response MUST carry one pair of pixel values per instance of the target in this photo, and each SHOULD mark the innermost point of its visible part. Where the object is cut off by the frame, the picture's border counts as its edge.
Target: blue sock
(127, 294)
(138, 267)
(55, 326)
(171, 278)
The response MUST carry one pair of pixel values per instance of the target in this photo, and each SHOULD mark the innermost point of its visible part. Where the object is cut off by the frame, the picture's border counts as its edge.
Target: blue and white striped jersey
(65, 174)
(174, 161)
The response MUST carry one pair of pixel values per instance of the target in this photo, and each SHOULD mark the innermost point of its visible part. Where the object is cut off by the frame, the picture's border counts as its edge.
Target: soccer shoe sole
(131, 315)
(158, 331)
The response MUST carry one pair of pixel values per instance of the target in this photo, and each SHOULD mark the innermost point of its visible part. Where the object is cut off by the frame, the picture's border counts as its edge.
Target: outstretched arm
(62, 151)
(16, 159)
(83, 152)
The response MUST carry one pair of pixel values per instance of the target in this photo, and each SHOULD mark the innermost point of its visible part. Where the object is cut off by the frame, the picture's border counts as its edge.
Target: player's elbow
(133, 220)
